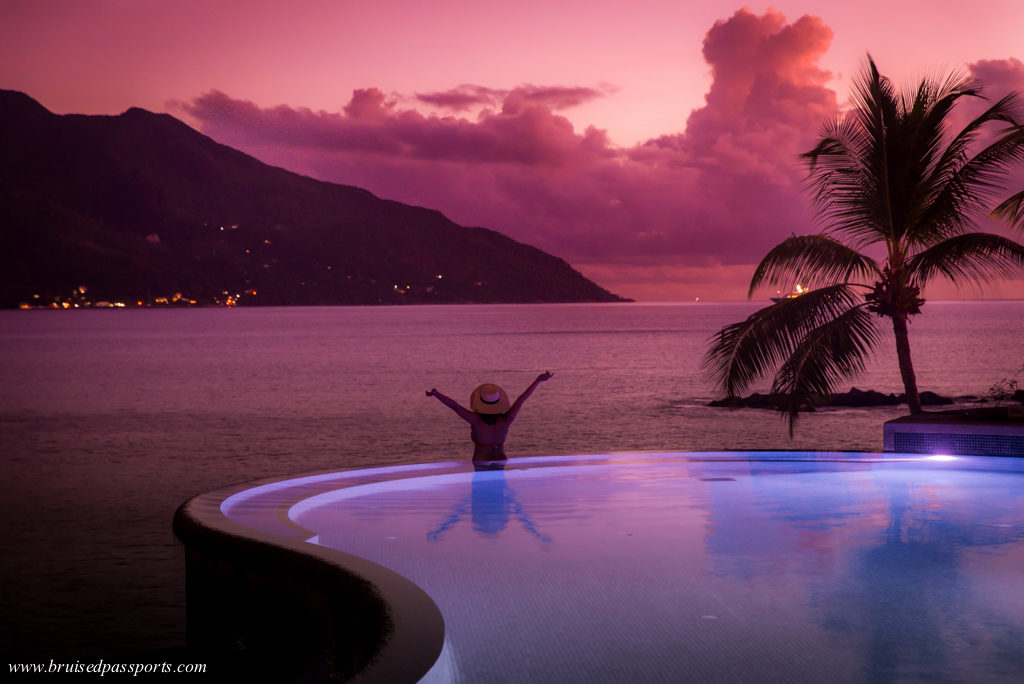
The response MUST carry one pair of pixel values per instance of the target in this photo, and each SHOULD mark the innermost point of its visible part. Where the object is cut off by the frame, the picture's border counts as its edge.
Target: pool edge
(262, 601)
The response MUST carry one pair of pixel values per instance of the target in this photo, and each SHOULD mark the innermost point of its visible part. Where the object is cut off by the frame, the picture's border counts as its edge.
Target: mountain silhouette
(140, 207)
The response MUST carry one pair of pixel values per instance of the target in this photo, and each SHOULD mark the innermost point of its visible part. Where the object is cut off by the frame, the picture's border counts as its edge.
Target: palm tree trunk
(899, 327)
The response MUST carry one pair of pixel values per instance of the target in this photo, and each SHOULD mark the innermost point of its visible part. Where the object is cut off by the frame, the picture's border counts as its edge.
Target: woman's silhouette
(490, 417)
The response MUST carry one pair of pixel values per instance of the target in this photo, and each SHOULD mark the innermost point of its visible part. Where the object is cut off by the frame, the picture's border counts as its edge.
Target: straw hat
(489, 399)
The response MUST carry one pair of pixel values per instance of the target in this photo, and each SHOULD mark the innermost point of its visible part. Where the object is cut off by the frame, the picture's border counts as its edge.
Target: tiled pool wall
(953, 434)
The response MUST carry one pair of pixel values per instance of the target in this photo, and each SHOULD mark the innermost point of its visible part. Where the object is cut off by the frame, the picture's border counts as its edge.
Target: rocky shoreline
(854, 398)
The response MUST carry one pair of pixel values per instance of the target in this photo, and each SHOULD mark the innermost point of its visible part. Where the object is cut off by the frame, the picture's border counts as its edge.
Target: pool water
(692, 567)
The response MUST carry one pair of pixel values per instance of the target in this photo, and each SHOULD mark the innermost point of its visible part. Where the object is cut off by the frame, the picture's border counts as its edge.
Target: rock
(854, 398)
(858, 398)
(933, 399)
(755, 400)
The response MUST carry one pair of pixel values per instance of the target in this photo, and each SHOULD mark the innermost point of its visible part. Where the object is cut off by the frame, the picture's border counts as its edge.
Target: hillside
(139, 207)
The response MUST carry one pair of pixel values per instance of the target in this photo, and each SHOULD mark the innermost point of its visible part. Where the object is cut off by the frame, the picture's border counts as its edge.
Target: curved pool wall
(270, 607)
(756, 566)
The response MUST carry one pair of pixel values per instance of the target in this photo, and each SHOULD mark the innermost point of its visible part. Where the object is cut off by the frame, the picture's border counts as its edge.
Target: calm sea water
(110, 419)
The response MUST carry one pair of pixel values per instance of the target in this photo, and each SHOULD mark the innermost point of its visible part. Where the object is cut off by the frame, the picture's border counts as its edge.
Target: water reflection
(490, 505)
(723, 571)
(910, 600)
(899, 569)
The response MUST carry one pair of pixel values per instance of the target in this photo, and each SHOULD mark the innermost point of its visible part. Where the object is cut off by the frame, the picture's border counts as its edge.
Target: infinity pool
(690, 567)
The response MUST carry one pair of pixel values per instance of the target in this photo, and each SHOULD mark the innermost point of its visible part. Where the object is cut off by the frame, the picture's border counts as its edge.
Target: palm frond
(841, 190)
(928, 118)
(877, 102)
(918, 144)
(811, 259)
(834, 351)
(968, 257)
(879, 113)
(916, 149)
(962, 188)
(849, 171)
(741, 353)
(890, 172)
(1007, 110)
(1011, 210)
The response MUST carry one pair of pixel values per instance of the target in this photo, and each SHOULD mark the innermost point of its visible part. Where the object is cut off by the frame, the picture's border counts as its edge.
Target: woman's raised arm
(463, 412)
(514, 411)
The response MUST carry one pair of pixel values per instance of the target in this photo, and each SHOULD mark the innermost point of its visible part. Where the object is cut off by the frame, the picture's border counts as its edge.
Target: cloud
(715, 195)
(368, 104)
(462, 98)
(467, 97)
(522, 133)
(554, 97)
(1000, 76)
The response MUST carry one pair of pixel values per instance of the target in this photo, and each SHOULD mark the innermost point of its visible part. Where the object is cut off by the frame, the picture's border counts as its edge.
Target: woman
(490, 416)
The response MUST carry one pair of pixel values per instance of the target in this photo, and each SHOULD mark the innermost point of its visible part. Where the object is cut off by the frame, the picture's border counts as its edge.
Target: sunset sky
(652, 144)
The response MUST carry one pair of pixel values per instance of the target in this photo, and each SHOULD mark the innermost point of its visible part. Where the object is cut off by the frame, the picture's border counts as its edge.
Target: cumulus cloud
(688, 206)
(522, 133)
(1000, 76)
(368, 104)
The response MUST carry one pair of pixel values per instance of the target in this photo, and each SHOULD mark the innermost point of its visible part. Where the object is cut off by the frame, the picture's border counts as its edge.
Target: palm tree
(887, 179)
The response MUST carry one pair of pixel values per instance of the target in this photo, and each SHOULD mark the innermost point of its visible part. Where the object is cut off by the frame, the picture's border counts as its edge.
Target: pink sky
(651, 144)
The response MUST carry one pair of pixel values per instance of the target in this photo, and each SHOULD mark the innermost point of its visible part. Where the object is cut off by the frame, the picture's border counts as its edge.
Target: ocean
(109, 419)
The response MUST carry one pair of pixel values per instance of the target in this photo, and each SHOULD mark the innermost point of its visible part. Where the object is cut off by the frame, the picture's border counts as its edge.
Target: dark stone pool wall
(263, 610)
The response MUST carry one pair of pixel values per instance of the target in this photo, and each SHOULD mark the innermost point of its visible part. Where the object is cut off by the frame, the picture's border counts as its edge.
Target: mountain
(139, 207)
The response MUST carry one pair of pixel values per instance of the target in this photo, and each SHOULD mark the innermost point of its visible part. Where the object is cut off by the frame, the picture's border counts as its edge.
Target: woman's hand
(546, 375)
(432, 392)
